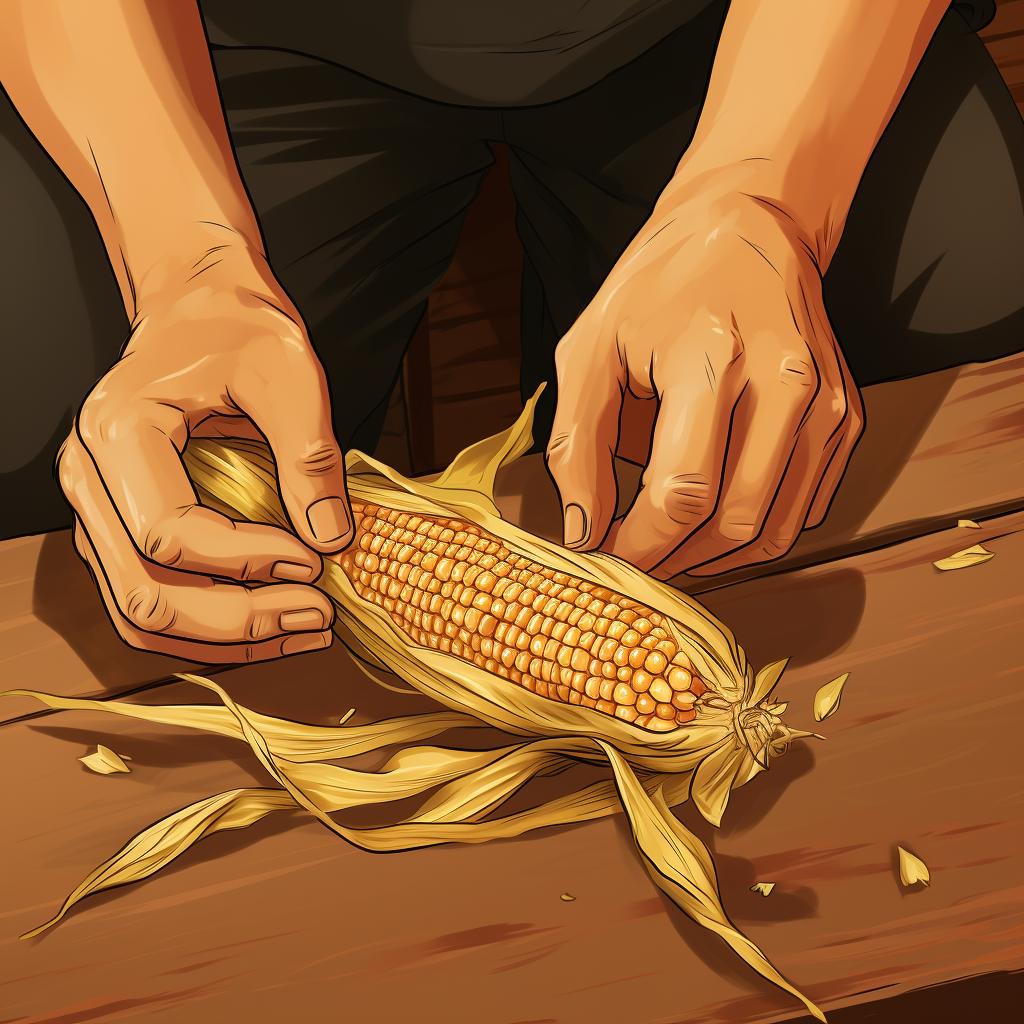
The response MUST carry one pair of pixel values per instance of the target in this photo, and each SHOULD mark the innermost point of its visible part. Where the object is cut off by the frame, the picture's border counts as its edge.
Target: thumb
(581, 452)
(294, 414)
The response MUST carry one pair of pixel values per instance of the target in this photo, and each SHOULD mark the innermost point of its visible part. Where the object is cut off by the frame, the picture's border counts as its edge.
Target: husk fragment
(968, 524)
(913, 870)
(826, 700)
(105, 761)
(763, 888)
(974, 555)
(462, 792)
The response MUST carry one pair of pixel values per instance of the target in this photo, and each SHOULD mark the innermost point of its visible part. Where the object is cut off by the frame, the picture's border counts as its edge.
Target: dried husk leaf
(159, 844)
(567, 897)
(968, 524)
(764, 888)
(913, 870)
(105, 761)
(730, 741)
(974, 555)
(826, 700)
(765, 680)
(681, 866)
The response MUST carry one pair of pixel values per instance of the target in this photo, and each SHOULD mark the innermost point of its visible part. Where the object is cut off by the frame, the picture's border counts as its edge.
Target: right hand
(221, 354)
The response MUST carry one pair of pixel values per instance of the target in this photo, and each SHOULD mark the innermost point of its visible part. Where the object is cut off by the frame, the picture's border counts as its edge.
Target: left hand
(706, 356)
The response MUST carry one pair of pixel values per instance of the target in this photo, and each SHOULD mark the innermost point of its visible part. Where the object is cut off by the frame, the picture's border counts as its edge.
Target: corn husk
(104, 761)
(913, 870)
(737, 729)
(826, 700)
(974, 555)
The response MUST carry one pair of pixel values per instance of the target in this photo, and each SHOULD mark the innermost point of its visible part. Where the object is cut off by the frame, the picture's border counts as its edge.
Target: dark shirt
(472, 52)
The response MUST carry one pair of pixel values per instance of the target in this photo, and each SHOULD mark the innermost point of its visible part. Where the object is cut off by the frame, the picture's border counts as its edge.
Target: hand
(707, 356)
(223, 354)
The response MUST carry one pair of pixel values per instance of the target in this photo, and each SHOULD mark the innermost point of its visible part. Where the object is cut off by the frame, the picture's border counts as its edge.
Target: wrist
(204, 256)
(813, 206)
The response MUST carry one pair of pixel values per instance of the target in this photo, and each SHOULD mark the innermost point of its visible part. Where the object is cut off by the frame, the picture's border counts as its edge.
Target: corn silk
(737, 729)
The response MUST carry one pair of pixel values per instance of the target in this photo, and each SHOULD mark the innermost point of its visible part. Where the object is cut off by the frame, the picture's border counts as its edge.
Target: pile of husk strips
(737, 729)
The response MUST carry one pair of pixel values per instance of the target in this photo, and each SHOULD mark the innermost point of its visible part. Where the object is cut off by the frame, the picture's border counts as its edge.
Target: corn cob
(450, 586)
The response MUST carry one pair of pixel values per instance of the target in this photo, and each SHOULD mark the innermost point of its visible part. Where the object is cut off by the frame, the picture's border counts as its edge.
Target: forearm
(121, 94)
(800, 93)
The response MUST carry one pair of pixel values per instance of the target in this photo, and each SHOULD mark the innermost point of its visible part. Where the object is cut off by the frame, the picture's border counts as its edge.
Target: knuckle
(557, 448)
(146, 607)
(259, 626)
(775, 546)
(736, 527)
(161, 545)
(683, 498)
(797, 368)
(320, 458)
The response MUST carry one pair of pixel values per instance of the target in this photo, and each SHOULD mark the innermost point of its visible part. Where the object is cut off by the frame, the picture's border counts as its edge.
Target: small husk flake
(913, 870)
(964, 559)
(826, 700)
(105, 761)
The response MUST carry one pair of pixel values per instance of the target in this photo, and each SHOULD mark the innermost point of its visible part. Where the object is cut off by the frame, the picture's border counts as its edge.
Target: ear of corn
(581, 655)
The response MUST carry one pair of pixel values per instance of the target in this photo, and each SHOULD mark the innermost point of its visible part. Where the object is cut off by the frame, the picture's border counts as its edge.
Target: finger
(291, 405)
(135, 457)
(788, 514)
(699, 391)
(840, 460)
(769, 419)
(208, 654)
(580, 454)
(154, 599)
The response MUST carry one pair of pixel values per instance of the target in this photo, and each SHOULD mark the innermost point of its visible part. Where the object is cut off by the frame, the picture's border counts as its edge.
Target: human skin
(122, 95)
(707, 354)
(712, 318)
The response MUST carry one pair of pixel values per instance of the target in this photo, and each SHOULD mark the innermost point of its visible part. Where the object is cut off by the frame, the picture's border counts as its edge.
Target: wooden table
(285, 922)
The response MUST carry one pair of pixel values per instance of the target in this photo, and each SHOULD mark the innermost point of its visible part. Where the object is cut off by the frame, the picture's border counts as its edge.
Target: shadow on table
(805, 617)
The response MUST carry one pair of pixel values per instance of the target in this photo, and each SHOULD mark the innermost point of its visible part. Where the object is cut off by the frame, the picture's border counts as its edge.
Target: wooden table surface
(285, 921)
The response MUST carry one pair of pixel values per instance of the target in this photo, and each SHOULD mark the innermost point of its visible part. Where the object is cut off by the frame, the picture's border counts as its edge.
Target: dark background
(463, 364)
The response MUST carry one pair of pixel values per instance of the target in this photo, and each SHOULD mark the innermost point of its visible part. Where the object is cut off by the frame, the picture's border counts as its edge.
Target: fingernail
(293, 572)
(575, 527)
(311, 642)
(302, 620)
(328, 519)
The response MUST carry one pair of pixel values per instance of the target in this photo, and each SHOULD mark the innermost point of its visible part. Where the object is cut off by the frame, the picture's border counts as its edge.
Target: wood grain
(284, 919)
